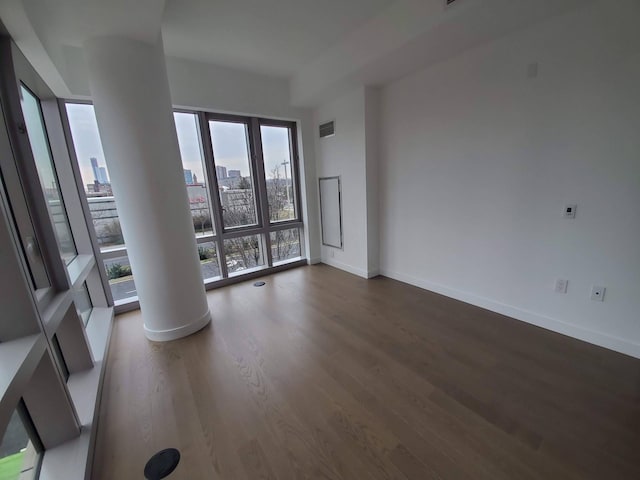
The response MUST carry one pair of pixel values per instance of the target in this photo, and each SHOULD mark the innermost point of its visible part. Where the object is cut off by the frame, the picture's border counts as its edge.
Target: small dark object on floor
(259, 284)
(162, 464)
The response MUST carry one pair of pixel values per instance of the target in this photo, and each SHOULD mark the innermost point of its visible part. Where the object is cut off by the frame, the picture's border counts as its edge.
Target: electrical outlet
(597, 293)
(561, 285)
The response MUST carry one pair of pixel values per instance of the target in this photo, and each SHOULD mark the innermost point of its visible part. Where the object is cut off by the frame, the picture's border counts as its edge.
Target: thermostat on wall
(569, 211)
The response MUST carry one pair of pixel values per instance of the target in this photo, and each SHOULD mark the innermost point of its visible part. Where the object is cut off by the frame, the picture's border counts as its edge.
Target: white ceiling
(273, 37)
(315, 48)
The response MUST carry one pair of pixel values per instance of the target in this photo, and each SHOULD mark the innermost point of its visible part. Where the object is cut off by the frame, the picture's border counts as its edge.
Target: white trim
(373, 273)
(68, 460)
(176, 333)
(591, 336)
(314, 261)
(79, 269)
(347, 268)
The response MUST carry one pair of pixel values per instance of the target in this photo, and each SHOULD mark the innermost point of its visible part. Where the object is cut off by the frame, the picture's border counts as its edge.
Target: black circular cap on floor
(162, 464)
(259, 284)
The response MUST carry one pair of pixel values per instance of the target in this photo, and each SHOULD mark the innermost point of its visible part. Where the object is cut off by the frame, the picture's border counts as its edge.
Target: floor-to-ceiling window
(195, 178)
(96, 184)
(241, 175)
(56, 313)
(256, 173)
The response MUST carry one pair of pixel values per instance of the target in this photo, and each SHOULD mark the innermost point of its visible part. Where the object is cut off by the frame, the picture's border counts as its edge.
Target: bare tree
(284, 243)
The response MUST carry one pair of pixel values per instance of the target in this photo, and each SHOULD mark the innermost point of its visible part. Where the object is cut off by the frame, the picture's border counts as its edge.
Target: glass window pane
(97, 187)
(194, 172)
(106, 221)
(47, 173)
(120, 277)
(243, 253)
(278, 172)
(18, 456)
(233, 168)
(83, 303)
(285, 244)
(95, 174)
(209, 260)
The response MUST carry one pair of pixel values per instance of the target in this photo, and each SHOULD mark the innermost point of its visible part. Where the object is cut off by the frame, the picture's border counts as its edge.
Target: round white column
(130, 91)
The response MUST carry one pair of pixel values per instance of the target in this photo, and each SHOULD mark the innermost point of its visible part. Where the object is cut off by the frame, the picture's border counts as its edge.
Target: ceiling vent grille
(327, 129)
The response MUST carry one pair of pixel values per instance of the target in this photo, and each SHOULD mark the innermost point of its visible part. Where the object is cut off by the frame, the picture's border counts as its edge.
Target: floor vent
(327, 129)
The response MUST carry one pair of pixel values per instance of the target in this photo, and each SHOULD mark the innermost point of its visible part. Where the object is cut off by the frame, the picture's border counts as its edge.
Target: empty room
(338, 240)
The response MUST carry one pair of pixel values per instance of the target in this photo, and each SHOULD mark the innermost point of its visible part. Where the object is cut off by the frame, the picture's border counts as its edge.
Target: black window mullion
(295, 167)
(246, 121)
(263, 204)
(212, 182)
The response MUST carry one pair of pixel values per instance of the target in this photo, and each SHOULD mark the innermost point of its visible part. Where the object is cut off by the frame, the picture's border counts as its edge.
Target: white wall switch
(561, 285)
(569, 211)
(597, 293)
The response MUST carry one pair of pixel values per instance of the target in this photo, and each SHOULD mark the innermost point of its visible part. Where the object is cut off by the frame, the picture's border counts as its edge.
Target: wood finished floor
(323, 375)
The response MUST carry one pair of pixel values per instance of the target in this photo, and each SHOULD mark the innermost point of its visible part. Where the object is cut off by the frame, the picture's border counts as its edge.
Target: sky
(228, 141)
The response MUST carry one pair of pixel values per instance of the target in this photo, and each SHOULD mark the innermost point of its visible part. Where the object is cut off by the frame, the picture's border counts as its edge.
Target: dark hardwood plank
(323, 375)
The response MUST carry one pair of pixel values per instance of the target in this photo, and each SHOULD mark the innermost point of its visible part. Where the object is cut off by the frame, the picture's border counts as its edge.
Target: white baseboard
(181, 331)
(591, 336)
(347, 268)
(314, 261)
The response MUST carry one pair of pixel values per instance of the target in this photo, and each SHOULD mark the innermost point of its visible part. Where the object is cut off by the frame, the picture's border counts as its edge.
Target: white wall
(478, 160)
(352, 154)
(344, 155)
(372, 159)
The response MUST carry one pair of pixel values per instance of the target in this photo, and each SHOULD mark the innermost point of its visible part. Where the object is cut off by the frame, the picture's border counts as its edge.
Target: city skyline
(229, 153)
(100, 174)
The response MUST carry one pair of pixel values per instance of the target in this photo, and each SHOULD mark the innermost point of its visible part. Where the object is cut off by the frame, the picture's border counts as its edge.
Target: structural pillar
(130, 91)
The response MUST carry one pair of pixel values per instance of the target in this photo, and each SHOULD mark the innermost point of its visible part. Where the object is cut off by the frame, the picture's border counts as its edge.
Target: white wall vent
(327, 129)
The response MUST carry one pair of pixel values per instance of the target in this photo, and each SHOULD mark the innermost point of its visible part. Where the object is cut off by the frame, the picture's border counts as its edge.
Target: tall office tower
(221, 172)
(234, 173)
(188, 177)
(94, 167)
(104, 178)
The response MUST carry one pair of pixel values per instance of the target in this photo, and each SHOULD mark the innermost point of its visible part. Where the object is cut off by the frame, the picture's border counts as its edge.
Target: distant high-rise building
(188, 177)
(99, 173)
(103, 177)
(95, 168)
(195, 178)
(221, 172)
(234, 174)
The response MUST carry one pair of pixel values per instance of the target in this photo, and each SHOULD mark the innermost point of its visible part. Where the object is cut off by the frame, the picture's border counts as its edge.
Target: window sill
(56, 311)
(248, 271)
(79, 269)
(73, 459)
(18, 359)
(288, 261)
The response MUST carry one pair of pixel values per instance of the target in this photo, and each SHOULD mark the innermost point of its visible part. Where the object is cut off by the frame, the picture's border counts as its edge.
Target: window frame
(256, 158)
(253, 165)
(38, 100)
(295, 166)
(32, 434)
(58, 405)
(263, 228)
